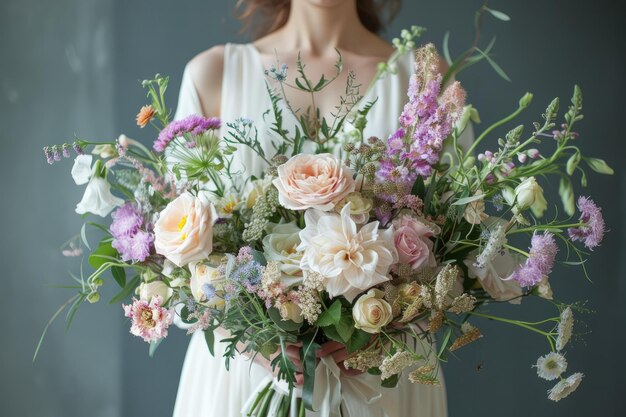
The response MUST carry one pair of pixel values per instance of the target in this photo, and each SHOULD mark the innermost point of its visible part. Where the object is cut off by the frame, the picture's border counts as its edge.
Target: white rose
(201, 275)
(493, 277)
(147, 290)
(371, 312)
(529, 194)
(291, 311)
(184, 231)
(280, 245)
(360, 207)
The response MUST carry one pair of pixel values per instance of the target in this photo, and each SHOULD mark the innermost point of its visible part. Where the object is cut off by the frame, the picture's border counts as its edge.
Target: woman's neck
(319, 30)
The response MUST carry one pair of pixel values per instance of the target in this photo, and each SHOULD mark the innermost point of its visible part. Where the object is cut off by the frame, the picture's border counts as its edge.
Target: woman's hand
(339, 354)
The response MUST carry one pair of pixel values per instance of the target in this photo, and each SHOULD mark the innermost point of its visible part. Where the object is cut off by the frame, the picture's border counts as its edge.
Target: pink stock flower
(149, 320)
(411, 238)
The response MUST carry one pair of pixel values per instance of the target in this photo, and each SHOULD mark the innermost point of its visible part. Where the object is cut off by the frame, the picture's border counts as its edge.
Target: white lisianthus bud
(529, 194)
(544, 290)
(291, 311)
(371, 312)
(148, 290)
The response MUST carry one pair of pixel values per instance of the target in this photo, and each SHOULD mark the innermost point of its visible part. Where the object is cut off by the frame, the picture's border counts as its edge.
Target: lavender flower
(540, 260)
(593, 231)
(209, 291)
(195, 125)
(77, 148)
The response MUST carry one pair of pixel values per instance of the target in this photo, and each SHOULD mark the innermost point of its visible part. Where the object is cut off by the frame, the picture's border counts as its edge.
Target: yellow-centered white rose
(360, 207)
(371, 312)
(281, 245)
(205, 275)
(184, 231)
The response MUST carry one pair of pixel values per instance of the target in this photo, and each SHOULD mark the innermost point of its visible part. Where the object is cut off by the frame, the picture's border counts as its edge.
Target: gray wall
(73, 66)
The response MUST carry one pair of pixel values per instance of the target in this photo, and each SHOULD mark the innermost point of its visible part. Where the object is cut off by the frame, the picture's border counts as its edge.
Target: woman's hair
(260, 17)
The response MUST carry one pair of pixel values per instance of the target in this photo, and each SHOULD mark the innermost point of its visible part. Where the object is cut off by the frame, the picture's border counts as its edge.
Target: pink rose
(313, 181)
(411, 238)
(184, 231)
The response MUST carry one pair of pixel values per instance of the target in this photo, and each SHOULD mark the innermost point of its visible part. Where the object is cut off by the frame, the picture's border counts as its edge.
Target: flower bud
(291, 311)
(151, 289)
(529, 194)
(94, 297)
(526, 100)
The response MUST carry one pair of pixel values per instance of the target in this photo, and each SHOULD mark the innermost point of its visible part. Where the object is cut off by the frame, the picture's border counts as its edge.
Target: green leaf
(390, 382)
(566, 192)
(331, 316)
(153, 347)
(119, 274)
(345, 327)
(267, 349)
(259, 257)
(446, 48)
(308, 357)
(286, 325)
(495, 66)
(130, 287)
(467, 200)
(358, 340)
(209, 337)
(444, 344)
(100, 255)
(332, 333)
(498, 15)
(83, 236)
(572, 163)
(418, 187)
(599, 166)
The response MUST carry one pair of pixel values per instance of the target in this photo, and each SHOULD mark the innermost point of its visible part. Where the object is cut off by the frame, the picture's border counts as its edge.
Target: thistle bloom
(132, 243)
(149, 319)
(194, 125)
(593, 231)
(540, 260)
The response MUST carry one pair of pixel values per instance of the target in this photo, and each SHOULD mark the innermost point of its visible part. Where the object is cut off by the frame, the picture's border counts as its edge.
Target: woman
(228, 81)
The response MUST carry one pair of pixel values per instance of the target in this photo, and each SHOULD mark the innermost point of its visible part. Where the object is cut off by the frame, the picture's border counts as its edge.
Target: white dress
(206, 389)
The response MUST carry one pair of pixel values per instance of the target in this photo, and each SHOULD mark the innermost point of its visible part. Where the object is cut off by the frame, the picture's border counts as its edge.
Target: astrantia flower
(564, 330)
(565, 387)
(149, 320)
(593, 231)
(551, 366)
(350, 259)
(540, 260)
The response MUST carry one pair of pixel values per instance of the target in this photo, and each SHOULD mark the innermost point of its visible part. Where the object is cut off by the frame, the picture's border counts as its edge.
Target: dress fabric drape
(206, 389)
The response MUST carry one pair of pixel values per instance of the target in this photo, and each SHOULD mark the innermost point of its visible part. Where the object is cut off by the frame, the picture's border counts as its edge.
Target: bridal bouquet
(365, 247)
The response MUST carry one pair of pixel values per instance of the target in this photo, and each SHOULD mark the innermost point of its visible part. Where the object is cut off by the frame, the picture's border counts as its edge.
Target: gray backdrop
(72, 67)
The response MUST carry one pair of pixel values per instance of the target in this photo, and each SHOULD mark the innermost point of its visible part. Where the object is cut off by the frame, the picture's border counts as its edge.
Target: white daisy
(551, 366)
(565, 387)
(565, 328)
